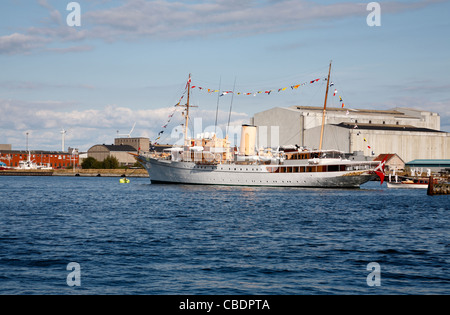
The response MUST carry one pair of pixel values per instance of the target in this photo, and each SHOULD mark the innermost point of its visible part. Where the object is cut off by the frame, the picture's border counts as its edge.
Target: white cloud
(33, 85)
(90, 126)
(163, 19)
(169, 20)
(20, 43)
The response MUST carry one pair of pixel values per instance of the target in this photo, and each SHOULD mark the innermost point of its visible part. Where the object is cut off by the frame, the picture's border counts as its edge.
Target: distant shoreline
(79, 172)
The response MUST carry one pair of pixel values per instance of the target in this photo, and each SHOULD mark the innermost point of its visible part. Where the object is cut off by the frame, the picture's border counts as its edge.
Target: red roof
(382, 156)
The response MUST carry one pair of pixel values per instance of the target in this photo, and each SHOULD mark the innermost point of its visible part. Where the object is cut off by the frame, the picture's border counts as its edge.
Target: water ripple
(156, 239)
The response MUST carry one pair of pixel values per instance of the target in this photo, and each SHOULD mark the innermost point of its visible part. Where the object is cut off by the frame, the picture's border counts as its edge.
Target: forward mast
(325, 108)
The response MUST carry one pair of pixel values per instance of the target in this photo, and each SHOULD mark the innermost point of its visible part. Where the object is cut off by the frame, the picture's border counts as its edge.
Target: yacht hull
(166, 171)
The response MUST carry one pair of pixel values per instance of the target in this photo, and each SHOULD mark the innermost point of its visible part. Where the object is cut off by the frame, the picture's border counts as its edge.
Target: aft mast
(186, 123)
(325, 108)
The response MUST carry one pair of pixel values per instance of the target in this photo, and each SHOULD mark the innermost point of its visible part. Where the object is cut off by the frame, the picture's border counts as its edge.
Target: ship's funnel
(248, 140)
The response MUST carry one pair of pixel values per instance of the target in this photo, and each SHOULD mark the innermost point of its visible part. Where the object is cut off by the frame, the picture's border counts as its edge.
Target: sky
(129, 60)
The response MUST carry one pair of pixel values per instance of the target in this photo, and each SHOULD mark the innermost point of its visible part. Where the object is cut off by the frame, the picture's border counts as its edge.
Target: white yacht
(208, 160)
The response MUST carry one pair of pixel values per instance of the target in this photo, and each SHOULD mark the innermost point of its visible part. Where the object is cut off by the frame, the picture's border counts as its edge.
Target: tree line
(111, 162)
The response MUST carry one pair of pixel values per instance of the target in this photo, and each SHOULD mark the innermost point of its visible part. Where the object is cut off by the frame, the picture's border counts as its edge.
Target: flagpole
(325, 108)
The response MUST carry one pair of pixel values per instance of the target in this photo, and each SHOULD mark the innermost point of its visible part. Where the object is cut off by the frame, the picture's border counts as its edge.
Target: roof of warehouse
(388, 157)
(356, 111)
(119, 148)
(387, 127)
(430, 162)
(34, 152)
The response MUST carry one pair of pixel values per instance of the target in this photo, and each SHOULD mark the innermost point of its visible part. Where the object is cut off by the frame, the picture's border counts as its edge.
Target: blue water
(140, 238)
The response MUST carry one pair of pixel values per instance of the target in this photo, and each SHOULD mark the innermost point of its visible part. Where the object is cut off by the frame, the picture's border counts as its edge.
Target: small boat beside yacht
(411, 183)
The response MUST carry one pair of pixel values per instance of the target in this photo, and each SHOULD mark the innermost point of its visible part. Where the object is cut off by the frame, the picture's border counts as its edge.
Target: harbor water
(140, 238)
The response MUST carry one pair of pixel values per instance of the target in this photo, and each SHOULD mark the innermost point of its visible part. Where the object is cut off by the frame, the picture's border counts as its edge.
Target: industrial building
(139, 144)
(436, 166)
(120, 152)
(122, 147)
(409, 133)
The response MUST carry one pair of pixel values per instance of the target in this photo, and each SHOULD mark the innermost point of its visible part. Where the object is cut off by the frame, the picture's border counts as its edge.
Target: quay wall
(79, 172)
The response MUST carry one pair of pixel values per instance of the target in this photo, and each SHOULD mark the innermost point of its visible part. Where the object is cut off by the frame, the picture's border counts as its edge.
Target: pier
(437, 188)
(26, 173)
(78, 172)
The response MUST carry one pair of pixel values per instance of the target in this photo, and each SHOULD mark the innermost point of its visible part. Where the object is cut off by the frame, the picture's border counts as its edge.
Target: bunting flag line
(172, 113)
(163, 127)
(188, 82)
(359, 133)
(369, 146)
(225, 93)
(268, 92)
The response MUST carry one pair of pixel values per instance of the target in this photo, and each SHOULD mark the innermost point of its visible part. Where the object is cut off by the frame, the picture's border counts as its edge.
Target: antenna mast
(325, 108)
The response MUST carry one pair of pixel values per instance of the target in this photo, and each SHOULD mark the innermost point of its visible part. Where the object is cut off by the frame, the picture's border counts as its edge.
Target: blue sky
(129, 61)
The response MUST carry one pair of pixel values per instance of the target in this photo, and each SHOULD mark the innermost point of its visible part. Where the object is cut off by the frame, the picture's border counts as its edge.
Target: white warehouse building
(410, 133)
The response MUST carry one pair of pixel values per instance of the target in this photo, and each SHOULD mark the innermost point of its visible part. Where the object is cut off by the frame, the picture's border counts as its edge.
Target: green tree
(111, 162)
(90, 163)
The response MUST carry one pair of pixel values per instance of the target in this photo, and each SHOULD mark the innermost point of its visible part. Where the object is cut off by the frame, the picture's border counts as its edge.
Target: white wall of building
(409, 145)
(302, 125)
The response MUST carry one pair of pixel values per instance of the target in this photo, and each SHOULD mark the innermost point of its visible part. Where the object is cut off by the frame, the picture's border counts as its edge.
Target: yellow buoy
(124, 181)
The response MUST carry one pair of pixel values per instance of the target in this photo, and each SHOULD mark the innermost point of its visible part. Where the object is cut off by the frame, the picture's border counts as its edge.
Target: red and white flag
(188, 82)
(379, 170)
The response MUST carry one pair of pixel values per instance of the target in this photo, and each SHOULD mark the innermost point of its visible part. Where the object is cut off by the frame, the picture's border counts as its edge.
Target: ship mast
(325, 108)
(188, 85)
(186, 112)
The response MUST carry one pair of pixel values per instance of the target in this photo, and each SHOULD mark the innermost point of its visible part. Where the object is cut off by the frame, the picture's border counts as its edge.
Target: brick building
(54, 159)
